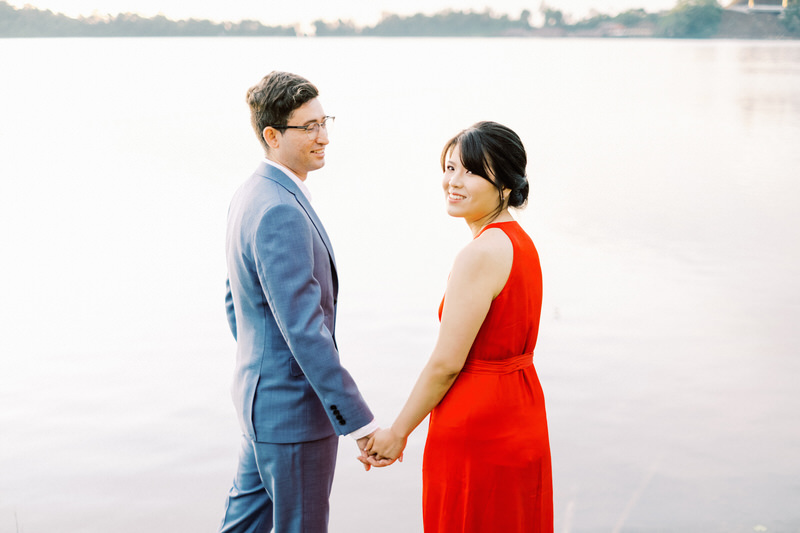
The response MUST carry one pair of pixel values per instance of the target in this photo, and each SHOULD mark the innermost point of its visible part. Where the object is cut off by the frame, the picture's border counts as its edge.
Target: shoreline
(683, 22)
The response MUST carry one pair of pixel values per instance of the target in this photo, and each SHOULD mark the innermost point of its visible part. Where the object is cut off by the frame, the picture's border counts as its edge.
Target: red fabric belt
(504, 366)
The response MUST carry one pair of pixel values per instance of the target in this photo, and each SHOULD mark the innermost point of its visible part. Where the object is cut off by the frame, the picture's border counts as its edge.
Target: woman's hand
(386, 444)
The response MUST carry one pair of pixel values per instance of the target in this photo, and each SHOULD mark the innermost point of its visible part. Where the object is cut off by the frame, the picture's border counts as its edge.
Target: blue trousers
(281, 486)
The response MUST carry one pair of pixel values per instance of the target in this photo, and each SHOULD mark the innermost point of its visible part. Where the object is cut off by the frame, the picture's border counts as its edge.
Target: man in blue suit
(292, 395)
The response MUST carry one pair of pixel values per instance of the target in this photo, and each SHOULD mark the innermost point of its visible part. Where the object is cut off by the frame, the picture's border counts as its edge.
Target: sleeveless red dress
(486, 466)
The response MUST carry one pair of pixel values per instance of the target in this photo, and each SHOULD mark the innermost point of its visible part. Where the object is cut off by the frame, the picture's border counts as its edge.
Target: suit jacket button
(341, 421)
(333, 407)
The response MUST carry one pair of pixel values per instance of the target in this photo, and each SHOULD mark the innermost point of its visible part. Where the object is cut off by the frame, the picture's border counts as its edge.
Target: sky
(362, 12)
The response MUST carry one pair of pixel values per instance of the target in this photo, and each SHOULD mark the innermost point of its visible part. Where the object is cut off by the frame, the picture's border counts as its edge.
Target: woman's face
(467, 195)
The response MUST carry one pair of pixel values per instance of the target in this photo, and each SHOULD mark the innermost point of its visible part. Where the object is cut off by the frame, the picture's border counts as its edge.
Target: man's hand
(369, 461)
(362, 443)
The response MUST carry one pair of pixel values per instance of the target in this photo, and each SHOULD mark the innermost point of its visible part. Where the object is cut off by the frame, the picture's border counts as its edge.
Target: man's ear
(271, 137)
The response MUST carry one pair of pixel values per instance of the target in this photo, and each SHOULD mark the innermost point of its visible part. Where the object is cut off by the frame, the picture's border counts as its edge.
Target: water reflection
(770, 87)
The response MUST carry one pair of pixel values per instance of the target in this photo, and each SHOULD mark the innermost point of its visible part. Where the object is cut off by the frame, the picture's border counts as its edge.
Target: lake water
(664, 205)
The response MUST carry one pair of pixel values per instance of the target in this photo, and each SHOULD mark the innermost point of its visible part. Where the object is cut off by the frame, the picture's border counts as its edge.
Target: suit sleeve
(285, 262)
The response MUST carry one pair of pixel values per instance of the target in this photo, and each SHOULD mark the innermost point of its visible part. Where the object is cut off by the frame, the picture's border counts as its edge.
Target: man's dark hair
(273, 99)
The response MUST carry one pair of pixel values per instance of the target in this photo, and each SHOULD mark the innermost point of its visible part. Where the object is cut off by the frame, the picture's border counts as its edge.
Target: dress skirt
(487, 457)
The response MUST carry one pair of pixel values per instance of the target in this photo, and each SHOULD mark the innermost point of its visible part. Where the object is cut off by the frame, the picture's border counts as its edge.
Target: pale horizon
(361, 12)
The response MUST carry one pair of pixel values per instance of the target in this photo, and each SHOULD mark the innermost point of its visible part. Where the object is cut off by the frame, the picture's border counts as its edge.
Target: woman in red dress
(487, 457)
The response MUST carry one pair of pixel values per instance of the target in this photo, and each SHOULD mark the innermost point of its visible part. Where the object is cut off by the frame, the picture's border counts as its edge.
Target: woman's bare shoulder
(492, 245)
(488, 256)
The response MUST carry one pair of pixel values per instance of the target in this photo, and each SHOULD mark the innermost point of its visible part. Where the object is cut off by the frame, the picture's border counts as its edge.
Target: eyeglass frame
(322, 126)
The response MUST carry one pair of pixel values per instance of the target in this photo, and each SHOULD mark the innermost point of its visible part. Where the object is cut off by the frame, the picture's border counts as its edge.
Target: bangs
(473, 157)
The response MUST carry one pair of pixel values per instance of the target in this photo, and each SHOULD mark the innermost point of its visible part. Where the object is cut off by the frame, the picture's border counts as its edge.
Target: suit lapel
(279, 177)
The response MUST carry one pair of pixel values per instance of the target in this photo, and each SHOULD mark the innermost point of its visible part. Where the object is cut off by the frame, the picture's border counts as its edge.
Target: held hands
(386, 444)
(383, 447)
(364, 457)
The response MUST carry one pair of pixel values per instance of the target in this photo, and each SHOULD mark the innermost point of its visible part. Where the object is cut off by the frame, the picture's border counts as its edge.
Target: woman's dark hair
(495, 153)
(273, 99)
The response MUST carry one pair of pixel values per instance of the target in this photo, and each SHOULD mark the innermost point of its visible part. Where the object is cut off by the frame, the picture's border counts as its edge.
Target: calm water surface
(664, 192)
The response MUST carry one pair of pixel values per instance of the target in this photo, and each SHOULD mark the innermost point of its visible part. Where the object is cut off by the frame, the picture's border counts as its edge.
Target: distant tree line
(447, 23)
(791, 17)
(630, 19)
(691, 18)
(32, 22)
(688, 19)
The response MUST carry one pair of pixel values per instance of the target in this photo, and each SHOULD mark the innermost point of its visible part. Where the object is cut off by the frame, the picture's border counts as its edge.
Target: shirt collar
(300, 183)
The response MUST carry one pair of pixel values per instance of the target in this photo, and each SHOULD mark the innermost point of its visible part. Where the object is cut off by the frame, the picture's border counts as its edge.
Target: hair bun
(519, 196)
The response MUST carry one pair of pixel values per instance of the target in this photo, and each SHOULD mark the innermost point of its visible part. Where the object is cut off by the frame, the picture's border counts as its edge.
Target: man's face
(294, 149)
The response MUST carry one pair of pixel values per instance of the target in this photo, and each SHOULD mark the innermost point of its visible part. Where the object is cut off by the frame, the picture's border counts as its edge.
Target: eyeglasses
(312, 130)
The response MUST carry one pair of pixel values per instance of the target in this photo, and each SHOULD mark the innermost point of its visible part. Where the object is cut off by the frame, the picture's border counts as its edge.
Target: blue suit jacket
(289, 385)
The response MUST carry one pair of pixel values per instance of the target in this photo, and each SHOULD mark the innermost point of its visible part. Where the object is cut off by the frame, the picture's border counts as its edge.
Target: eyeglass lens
(313, 129)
